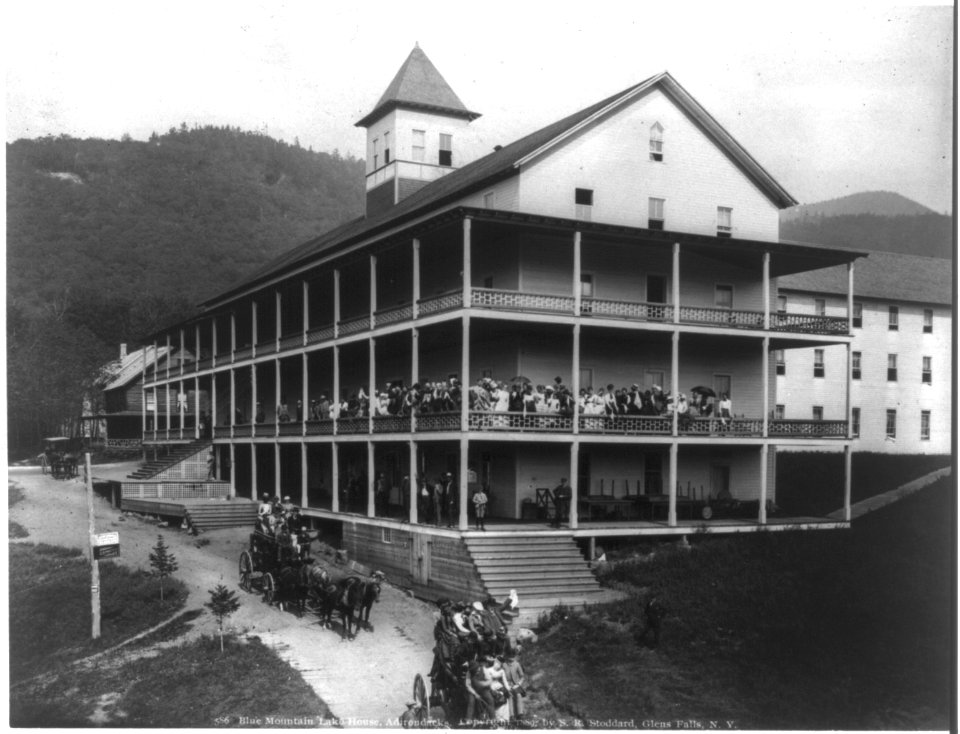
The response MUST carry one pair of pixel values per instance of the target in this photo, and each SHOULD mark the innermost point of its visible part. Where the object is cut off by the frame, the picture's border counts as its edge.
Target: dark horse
(343, 597)
(370, 594)
(293, 586)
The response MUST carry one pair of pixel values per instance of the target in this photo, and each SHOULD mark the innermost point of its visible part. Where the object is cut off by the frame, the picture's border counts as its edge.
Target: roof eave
(381, 110)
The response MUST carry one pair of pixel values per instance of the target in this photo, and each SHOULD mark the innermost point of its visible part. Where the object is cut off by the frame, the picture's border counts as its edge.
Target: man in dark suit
(561, 497)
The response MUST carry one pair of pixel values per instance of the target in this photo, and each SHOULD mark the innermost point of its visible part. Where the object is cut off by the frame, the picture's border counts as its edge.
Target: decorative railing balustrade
(721, 317)
(242, 353)
(188, 368)
(222, 431)
(123, 443)
(427, 422)
(353, 326)
(320, 334)
(439, 304)
(627, 425)
(353, 425)
(261, 430)
(782, 428)
(714, 426)
(391, 424)
(505, 421)
(290, 341)
(809, 324)
(393, 315)
(626, 309)
(320, 428)
(290, 429)
(205, 363)
(243, 430)
(517, 301)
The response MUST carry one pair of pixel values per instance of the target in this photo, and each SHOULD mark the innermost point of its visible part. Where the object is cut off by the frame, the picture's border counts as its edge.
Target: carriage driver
(263, 512)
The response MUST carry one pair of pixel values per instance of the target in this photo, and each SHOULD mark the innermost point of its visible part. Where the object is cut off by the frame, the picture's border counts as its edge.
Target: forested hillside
(110, 240)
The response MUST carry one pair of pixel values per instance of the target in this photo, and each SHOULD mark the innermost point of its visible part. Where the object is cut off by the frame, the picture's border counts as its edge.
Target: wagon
(260, 565)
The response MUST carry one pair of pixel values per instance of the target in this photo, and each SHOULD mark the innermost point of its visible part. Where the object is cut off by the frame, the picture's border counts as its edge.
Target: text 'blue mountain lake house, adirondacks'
(633, 244)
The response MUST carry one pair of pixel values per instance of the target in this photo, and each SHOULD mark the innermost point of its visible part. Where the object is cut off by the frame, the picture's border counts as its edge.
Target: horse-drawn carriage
(61, 456)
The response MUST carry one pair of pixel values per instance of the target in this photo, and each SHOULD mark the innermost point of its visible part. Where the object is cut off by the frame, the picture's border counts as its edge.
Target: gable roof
(504, 163)
(890, 276)
(120, 372)
(418, 85)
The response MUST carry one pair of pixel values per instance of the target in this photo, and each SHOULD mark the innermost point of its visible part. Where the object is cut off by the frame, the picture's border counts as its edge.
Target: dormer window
(386, 148)
(724, 221)
(655, 213)
(419, 145)
(446, 149)
(656, 142)
(583, 202)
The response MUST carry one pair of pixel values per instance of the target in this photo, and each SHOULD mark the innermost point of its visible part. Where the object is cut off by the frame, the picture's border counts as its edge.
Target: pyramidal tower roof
(418, 85)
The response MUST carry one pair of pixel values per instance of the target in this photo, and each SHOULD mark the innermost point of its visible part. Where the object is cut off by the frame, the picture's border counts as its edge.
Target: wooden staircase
(175, 456)
(545, 570)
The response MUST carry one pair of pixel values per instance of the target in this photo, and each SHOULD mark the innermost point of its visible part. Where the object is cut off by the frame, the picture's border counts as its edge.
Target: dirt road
(366, 681)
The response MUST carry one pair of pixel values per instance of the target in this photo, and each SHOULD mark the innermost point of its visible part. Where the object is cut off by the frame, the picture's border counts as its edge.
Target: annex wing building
(591, 306)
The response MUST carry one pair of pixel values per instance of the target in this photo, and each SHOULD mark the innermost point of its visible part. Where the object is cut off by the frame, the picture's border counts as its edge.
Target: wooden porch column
(676, 285)
(233, 471)
(196, 341)
(166, 388)
(416, 277)
(213, 404)
(169, 360)
(213, 345)
(306, 310)
(336, 387)
(253, 399)
(232, 421)
(765, 384)
(766, 291)
(196, 407)
(277, 393)
(371, 479)
(334, 477)
(278, 321)
(672, 510)
(847, 481)
(467, 279)
(233, 336)
(464, 372)
(336, 303)
(850, 298)
(372, 380)
(280, 491)
(415, 374)
(414, 484)
(304, 466)
(764, 450)
(463, 522)
(254, 488)
(143, 381)
(253, 329)
(575, 379)
(574, 483)
(849, 401)
(304, 392)
(577, 289)
(183, 349)
(373, 293)
(675, 377)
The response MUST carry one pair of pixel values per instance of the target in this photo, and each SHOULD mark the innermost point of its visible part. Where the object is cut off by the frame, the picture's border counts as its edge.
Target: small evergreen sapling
(222, 604)
(163, 562)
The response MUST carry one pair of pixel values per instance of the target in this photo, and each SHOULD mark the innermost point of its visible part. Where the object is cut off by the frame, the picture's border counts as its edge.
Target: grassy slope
(808, 630)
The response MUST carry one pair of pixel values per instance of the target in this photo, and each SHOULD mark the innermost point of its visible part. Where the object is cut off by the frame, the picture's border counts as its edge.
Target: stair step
(539, 561)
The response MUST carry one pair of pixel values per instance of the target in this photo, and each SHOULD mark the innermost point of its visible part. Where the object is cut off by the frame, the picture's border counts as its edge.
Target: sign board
(106, 545)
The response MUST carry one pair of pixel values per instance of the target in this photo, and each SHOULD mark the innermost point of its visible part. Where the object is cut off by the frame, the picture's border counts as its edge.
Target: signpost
(94, 562)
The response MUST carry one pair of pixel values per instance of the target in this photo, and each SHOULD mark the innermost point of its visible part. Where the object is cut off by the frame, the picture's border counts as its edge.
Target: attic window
(419, 145)
(724, 221)
(655, 213)
(583, 201)
(656, 142)
(446, 149)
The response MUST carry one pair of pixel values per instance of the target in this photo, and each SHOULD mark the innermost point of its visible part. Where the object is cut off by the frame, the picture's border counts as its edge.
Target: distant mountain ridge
(871, 220)
(880, 203)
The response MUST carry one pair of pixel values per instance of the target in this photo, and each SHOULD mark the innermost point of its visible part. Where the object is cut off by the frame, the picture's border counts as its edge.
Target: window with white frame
(779, 356)
(855, 360)
(924, 425)
(857, 315)
(376, 153)
(583, 204)
(818, 412)
(724, 221)
(722, 385)
(891, 367)
(779, 411)
(781, 304)
(723, 296)
(893, 318)
(855, 422)
(820, 306)
(418, 146)
(927, 374)
(446, 149)
(151, 400)
(655, 217)
(490, 200)
(928, 321)
(891, 423)
(586, 285)
(386, 148)
(818, 363)
(656, 142)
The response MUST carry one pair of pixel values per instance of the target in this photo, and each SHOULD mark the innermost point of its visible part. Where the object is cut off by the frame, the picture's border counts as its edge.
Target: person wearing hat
(286, 505)
(480, 507)
(561, 497)
(263, 512)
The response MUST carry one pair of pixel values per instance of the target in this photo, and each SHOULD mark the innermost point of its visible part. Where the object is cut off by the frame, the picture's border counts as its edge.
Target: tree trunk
(221, 638)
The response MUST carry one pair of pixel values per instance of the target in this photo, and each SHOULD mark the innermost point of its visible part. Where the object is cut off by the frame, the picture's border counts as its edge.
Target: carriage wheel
(269, 589)
(246, 569)
(420, 696)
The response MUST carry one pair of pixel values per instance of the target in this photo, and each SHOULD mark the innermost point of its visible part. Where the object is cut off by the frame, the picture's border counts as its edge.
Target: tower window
(724, 221)
(655, 213)
(446, 149)
(656, 142)
(418, 146)
(583, 203)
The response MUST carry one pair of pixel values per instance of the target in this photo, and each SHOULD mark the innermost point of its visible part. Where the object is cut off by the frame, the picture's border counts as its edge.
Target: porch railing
(517, 301)
(242, 353)
(393, 315)
(427, 422)
(721, 317)
(320, 334)
(391, 424)
(243, 430)
(290, 429)
(717, 427)
(222, 432)
(354, 325)
(627, 425)
(291, 341)
(626, 309)
(205, 363)
(481, 420)
(809, 324)
(353, 425)
(320, 428)
(440, 303)
(805, 428)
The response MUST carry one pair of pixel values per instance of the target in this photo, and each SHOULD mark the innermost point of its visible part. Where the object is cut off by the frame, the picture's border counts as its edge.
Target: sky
(831, 98)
